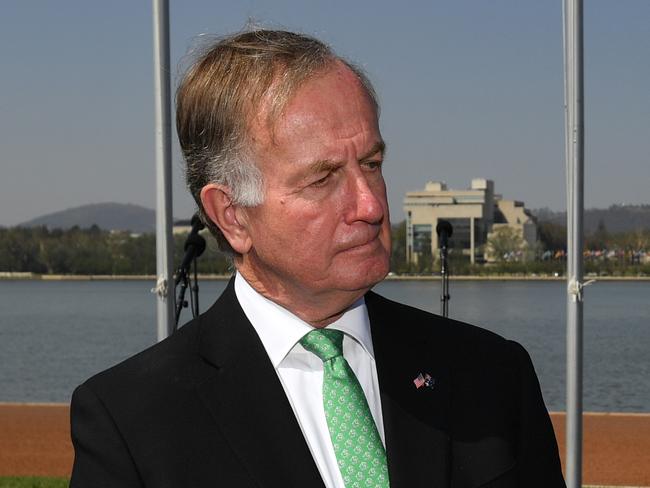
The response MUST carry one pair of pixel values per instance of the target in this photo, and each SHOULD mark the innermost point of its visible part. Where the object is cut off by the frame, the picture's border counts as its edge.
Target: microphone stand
(194, 247)
(444, 231)
(195, 290)
(180, 302)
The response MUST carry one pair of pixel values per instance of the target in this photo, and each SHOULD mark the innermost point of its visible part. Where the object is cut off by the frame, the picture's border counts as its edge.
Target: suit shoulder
(170, 367)
(421, 319)
(151, 368)
(461, 339)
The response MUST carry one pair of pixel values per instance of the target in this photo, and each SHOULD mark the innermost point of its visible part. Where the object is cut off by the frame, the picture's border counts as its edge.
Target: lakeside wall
(208, 277)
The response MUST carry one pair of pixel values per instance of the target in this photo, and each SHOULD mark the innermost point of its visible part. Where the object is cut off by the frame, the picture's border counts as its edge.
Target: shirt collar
(280, 330)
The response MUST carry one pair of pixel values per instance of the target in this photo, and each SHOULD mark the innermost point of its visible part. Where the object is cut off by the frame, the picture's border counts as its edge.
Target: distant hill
(617, 218)
(107, 216)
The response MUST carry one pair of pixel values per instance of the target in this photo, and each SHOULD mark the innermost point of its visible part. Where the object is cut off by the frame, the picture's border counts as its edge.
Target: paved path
(35, 440)
(616, 448)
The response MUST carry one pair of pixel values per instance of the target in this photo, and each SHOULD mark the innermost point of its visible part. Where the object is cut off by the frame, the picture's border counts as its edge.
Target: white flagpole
(574, 118)
(164, 239)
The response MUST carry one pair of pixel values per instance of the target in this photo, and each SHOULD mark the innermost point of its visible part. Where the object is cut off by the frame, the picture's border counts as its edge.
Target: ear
(220, 209)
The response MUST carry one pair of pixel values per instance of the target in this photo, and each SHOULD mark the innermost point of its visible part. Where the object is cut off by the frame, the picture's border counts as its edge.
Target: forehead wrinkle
(377, 147)
(301, 102)
(323, 165)
(328, 164)
(281, 94)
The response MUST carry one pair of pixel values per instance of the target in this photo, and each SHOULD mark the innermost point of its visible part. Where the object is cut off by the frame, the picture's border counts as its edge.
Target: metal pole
(164, 238)
(444, 230)
(444, 275)
(574, 118)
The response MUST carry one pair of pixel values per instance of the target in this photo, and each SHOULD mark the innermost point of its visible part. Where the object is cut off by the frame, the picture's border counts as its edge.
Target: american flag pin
(424, 380)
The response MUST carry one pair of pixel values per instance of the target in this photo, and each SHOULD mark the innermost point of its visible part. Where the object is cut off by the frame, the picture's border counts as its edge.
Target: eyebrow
(379, 146)
(328, 164)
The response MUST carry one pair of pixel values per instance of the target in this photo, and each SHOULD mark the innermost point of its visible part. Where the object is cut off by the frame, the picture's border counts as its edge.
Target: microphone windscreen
(444, 227)
(196, 222)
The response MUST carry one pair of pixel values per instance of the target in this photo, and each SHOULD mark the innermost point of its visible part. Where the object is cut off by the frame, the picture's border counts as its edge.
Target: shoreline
(11, 276)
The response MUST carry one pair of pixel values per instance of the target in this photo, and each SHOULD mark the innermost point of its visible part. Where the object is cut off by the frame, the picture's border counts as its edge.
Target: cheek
(301, 230)
(317, 240)
(319, 230)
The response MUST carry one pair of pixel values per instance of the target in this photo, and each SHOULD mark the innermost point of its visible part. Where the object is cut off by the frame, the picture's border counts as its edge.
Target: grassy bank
(32, 482)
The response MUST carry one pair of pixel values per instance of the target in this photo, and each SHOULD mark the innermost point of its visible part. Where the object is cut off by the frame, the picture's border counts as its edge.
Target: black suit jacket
(205, 408)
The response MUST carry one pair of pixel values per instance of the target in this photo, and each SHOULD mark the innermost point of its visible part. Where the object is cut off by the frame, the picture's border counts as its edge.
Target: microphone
(194, 247)
(196, 223)
(444, 231)
(194, 244)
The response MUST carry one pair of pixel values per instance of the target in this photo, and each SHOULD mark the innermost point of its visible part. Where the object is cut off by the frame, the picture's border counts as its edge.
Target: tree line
(93, 251)
(100, 252)
(605, 253)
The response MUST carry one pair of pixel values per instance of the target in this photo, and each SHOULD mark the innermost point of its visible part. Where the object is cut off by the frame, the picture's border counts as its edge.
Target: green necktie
(359, 452)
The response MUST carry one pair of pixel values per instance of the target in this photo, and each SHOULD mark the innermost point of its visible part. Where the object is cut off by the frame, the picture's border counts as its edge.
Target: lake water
(53, 335)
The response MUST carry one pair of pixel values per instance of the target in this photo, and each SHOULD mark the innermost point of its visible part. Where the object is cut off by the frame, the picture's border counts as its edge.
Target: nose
(365, 200)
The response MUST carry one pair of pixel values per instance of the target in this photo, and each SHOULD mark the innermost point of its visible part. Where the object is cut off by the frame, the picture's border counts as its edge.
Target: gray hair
(220, 93)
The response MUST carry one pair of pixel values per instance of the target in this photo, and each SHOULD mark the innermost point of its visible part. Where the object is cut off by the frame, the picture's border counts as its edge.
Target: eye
(328, 175)
(372, 165)
(321, 182)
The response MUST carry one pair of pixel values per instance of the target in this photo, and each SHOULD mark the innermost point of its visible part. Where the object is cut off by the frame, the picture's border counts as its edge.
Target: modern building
(473, 214)
(513, 214)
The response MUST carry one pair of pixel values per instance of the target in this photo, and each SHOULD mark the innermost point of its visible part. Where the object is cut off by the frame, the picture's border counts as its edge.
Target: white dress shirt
(301, 372)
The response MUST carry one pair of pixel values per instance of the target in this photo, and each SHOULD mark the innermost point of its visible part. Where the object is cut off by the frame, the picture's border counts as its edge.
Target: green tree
(55, 255)
(398, 242)
(600, 239)
(19, 250)
(552, 236)
(504, 243)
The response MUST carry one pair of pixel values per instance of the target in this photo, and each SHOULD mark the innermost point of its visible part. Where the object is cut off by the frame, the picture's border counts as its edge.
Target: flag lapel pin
(424, 380)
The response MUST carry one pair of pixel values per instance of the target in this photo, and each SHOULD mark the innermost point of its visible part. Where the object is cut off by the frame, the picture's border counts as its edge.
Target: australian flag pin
(424, 380)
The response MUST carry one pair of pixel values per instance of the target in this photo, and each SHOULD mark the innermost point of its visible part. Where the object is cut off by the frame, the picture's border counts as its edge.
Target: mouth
(369, 241)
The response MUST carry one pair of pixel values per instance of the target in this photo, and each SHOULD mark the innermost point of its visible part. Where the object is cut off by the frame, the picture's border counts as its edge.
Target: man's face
(324, 226)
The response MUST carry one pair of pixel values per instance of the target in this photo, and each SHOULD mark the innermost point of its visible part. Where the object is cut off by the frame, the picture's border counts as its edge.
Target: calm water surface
(53, 335)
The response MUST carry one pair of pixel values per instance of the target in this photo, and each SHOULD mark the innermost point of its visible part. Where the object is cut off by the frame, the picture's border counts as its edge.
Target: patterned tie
(359, 452)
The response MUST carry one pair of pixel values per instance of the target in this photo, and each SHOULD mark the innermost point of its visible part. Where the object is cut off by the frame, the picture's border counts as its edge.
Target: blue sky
(468, 89)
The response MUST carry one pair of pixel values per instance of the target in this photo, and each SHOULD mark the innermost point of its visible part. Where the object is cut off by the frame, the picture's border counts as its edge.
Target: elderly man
(299, 375)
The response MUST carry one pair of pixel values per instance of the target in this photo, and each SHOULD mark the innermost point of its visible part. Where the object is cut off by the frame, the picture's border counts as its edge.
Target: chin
(363, 276)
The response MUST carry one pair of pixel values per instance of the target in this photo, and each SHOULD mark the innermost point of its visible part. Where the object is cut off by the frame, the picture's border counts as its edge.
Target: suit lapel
(415, 419)
(245, 397)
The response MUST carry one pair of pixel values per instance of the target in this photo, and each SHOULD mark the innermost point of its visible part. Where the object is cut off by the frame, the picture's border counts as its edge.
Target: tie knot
(325, 343)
